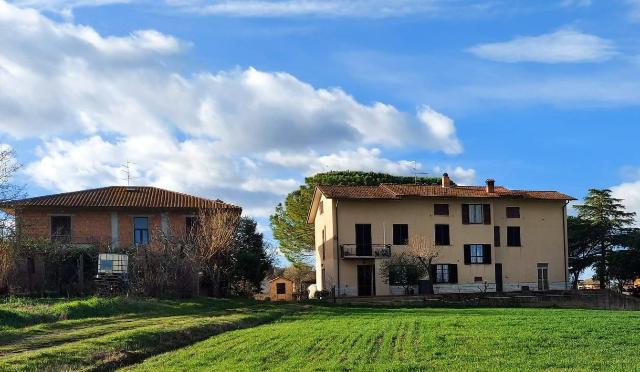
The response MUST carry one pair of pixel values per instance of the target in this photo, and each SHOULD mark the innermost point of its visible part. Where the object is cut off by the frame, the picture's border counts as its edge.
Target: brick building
(114, 217)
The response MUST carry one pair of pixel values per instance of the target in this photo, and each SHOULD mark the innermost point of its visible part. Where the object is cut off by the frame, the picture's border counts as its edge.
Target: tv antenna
(127, 171)
(416, 173)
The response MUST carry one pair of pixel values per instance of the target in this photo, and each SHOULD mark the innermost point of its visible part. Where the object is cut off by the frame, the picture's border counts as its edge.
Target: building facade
(110, 219)
(488, 238)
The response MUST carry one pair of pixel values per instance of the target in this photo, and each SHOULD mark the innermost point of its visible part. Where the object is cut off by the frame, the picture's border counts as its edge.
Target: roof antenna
(416, 173)
(127, 171)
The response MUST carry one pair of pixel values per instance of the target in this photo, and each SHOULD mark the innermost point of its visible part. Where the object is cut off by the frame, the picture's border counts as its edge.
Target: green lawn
(107, 333)
(230, 335)
(335, 338)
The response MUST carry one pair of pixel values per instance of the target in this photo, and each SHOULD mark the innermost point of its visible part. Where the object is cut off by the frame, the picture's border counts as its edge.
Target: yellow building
(489, 238)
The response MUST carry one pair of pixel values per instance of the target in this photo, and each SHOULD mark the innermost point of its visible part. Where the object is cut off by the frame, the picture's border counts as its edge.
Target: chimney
(491, 183)
(446, 182)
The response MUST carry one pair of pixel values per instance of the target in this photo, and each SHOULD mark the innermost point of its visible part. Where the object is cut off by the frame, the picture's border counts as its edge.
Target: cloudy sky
(240, 100)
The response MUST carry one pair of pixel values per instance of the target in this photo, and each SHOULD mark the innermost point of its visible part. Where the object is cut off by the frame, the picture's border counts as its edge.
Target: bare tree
(298, 274)
(424, 250)
(414, 263)
(9, 191)
(213, 239)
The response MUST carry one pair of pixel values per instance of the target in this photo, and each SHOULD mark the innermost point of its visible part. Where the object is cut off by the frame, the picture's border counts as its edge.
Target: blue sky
(242, 99)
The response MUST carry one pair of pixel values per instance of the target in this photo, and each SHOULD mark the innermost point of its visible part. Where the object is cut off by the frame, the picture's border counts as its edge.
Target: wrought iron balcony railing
(365, 250)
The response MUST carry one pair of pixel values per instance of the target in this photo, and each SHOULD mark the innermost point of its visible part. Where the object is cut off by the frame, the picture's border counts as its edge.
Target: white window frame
(475, 258)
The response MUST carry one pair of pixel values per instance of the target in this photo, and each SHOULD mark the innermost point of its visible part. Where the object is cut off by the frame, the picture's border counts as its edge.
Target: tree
(298, 273)
(582, 247)
(407, 267)
(9, 191)
(289, 222)
(214, 238)
(251, 259)
(609, 223)
(623, 266)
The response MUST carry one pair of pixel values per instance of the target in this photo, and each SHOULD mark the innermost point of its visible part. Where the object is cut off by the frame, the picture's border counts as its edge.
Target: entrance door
(363, 240)
(365, 280)
(543, 277)
(499, 277)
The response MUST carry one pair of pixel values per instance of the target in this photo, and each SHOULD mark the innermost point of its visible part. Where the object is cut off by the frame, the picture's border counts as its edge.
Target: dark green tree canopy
(289, 222)
(251, 259)
(603, 226)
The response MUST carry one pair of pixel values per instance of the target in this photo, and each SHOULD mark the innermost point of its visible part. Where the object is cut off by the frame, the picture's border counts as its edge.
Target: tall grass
(16, 312)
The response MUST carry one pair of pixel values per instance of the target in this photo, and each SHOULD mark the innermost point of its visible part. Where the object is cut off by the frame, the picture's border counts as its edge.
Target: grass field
(230, 335)
(329, 338)
(107, 333)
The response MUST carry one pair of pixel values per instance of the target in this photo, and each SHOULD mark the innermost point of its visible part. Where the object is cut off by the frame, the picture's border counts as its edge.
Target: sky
(240, 100)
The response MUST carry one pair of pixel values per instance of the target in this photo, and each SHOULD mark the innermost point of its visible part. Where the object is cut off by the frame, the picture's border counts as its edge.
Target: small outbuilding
(281, 289)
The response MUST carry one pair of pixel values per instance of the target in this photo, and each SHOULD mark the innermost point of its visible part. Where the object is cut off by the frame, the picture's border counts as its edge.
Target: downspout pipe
(338, 246)
(564, 243)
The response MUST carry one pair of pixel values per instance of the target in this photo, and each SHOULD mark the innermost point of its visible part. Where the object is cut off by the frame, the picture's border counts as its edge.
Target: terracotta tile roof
(398, 191)
(120, 197)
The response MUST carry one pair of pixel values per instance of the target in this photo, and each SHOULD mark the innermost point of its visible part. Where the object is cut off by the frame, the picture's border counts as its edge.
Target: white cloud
(274, 186)
(288, 8)
(441, 129)
(629, 192)
(459, 175)
(362, 159)
(562, 46)
(97, 101)
(330, 8)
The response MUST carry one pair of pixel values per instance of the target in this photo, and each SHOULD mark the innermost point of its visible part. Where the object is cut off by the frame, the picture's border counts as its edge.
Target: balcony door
(363, 240)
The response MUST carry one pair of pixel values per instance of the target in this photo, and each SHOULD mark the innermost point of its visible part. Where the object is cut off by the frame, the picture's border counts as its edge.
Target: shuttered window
(513, 236)
(442, 235)
(496, 236)
(477, 254)
(476, 214)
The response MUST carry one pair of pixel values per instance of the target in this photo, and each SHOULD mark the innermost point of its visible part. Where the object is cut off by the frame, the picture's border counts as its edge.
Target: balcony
(365, 251)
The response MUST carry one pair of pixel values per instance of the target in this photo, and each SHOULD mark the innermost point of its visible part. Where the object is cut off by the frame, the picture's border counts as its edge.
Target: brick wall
(87, 225)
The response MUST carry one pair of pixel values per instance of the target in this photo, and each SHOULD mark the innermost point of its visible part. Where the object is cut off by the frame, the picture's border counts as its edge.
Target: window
(475, 213)
(442, 235)
(321, 207)
(442, 273)
(441, 209)
(281, 288)
(60, 227)
(141, 230)
(513, 212)
(543, 277)
(445, 273)
(324, 239)
(496, 236)
(403, 275)
(477, 278)
(191, 223)
(400, 234)
(477, 253)
(513, 236)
